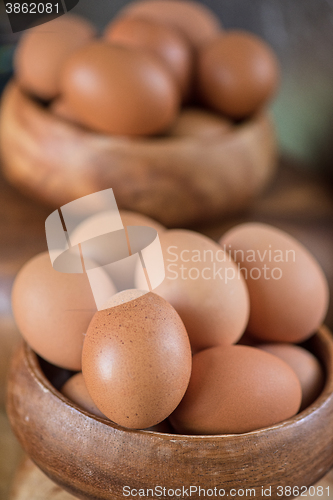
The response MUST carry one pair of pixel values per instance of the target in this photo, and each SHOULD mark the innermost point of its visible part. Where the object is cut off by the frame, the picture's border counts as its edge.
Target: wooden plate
(95, 459)
(178, 180)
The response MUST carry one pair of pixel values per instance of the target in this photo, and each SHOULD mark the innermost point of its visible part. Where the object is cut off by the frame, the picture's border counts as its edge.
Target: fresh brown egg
(75, 390)
(136, 359)
(237, 73)
(200, 124)
(193, 19)
(53, 310)
(169, 45)
(42, 51)
(60, 109)
(118, 90)
(236, 389)
(135, 219)
(164, 427)
(288, 289)
(122, 273)
(204, 287)
(305, 365)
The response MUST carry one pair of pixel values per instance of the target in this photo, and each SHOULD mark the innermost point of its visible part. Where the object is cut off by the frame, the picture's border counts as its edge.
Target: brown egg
(288, 290)
(236, 389)
(135, 219)
(118, 90)
(59, 108)
(164, 427)
(204, 287)
(169, 45)
(237, 73)
(122, 273)
(75, 390)
(136, 359)
(43, 50)
(200, 124)
(193, 19)
(53, 310)
(305, 365)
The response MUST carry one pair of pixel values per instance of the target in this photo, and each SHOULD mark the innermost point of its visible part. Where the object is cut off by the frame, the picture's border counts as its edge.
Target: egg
(42, 51)
(53, 310)
(75, 390)
(117, 90)
(237, 73)
(136, 359)
(202, 124)
(288, 289)
(305, 365)
(60, 109)
(204, 287)
(122, 273)
(198, 23)
(169, 45)
(236, 389)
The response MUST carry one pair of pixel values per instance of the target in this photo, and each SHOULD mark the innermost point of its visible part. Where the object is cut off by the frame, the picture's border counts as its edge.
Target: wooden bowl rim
(240, 127)
(323, 334)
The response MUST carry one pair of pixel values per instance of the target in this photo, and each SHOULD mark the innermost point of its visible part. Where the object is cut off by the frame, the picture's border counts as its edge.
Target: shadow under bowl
(95, 459)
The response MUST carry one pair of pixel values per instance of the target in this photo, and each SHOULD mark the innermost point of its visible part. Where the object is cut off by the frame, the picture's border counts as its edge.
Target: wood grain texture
(176, 180)
(30, 483)
(93, 458)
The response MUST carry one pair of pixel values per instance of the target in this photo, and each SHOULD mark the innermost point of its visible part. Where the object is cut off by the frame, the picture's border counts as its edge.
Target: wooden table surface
(297, 202)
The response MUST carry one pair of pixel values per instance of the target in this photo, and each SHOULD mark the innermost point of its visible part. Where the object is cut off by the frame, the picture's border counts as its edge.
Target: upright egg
(205, 288)
(136, 359)
(236, 389)
(197, 22)
(169, 45)
(237, 73)
(53, 310)
(118, 90)
(42, 51)
(288, 289)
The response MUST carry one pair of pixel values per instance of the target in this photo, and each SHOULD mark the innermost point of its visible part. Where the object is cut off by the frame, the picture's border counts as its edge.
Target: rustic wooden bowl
(176, 180)
(94, 458)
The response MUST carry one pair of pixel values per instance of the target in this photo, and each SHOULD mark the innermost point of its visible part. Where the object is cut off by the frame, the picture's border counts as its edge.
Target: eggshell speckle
(288, 289)
(237, 73)
(53, 310)
(204, 287)
(117, 90)
(236, 389)
(43, 50)
(305, 365)
(75, 389)
(136, 359)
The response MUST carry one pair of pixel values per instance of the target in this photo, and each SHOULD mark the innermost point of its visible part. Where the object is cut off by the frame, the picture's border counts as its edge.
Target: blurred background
(300, 199)
(301, 33)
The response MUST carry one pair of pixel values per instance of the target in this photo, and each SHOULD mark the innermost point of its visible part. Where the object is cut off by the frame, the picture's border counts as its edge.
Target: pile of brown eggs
(156, 56)
(214, 349)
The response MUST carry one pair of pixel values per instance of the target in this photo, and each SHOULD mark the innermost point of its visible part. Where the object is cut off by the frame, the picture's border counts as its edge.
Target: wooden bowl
(94, 458)
(178, 181)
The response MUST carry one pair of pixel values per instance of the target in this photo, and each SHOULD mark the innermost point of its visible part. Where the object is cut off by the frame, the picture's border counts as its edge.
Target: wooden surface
(30, 483)
(94, 458)
(176, 179)
(296, 201)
